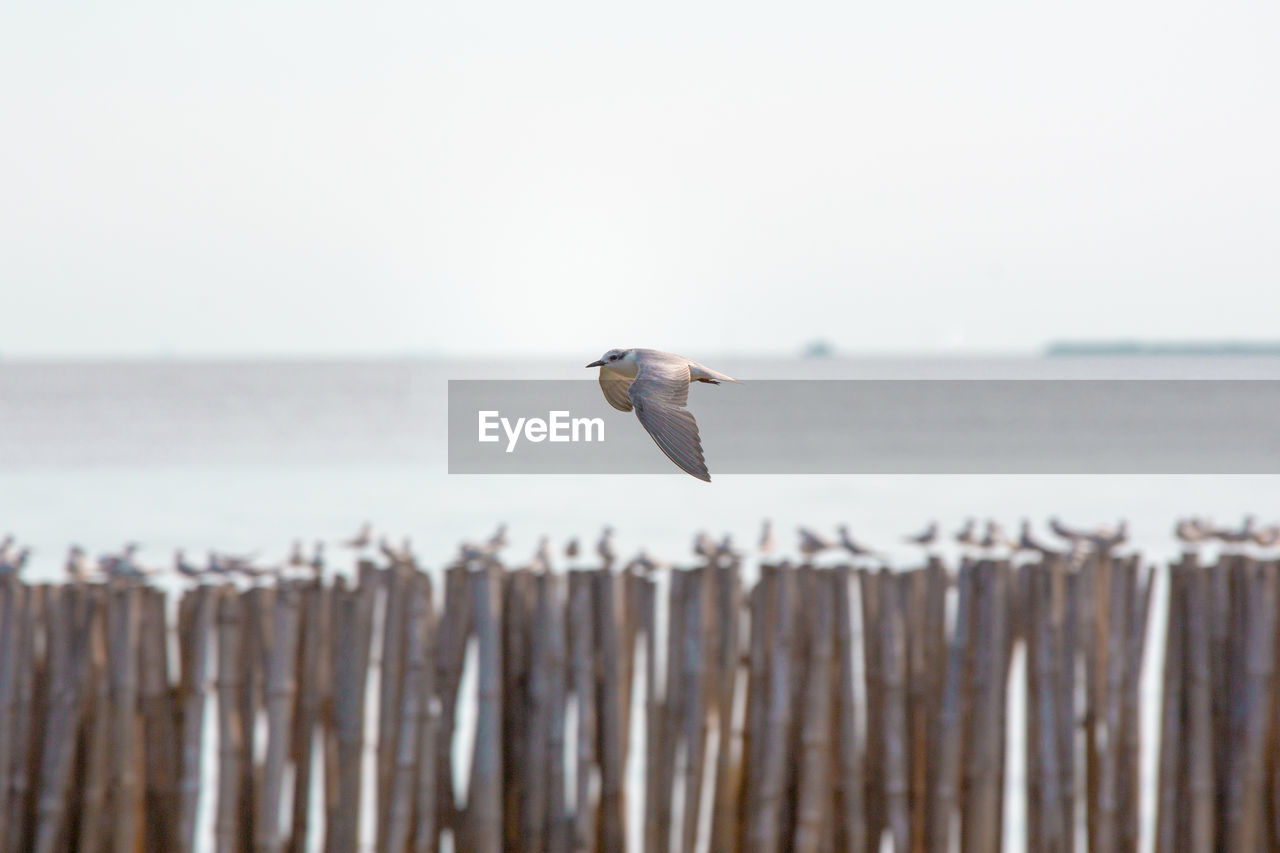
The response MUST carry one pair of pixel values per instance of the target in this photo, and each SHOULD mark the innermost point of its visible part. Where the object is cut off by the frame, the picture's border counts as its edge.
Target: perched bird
(498, 540)
(256, 573)
(1027, 542)
(644, 564)
(767, 543)
(925, 538)
(1105, 538)
(468, 553)
(604, 547)
(182, 567)
(14, 560)
(851, 545)
(968, 535)
(296, 558)
(812, 544)
(79, 567)
(1190, 531)
(216, 566)
(1239, 536)
(541, 561)
(656, 385)
(122, 564)
(317, 559)
(993, 537)
(1068, 533)
(362, 539)
(1267, 537)
(571, 548)
(397, 556)
(704, 546)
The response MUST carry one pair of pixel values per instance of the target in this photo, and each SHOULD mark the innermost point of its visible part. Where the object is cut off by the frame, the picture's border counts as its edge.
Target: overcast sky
(471, 177)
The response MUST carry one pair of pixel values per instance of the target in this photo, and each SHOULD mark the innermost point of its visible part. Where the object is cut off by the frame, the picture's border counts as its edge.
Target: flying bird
(656, 385)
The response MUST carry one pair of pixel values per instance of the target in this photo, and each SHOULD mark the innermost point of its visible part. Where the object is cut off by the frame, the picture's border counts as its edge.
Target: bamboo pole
(256, 604)
(517, 637)
(279, 695)
(767, 819)
(694, 717)
(484, 795)
(230, 722)
(582, 638)
(1200, 744)
(160, 730)
(91, 834)
(875, 801)
(1047, 614)
(417, 613)
(1171, 796)
(456, 623)
(648, 598)
(26, 716)
(394, 581)
(426, 823)
(894, 667)
(754, 718)
(531, 809)
(13, 602)
(313, 699)
(980, 830)
(1245, 829)
(351, 633)
(814, 801)
(69, 660)
(557, 666)
(729, 756)
(851, 831)
(672, 705)
(123, 620)
(610, 608)
(194, 645)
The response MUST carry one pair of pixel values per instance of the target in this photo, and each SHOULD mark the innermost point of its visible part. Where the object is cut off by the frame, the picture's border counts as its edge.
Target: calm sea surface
(250, 455)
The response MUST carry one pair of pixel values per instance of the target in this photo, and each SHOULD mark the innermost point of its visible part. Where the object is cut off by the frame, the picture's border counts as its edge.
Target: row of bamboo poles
(812, 710)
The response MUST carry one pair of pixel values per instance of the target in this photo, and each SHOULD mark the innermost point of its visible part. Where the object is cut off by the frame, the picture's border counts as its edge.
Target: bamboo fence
(811, 709)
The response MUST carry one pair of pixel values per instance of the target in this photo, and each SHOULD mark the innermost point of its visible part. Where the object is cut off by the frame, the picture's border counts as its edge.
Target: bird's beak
(596, 364)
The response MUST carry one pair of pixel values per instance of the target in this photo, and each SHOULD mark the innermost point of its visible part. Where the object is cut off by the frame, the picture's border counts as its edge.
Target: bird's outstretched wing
(615, 387)
(659, 394)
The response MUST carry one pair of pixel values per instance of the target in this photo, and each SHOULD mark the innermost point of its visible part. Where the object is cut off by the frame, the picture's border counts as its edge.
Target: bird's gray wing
(659, 393)
(615, 387)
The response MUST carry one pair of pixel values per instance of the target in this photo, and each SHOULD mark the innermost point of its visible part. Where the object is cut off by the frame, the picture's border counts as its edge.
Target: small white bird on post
(812, 544)
(604, 548)
(362, 539)
(767, 543)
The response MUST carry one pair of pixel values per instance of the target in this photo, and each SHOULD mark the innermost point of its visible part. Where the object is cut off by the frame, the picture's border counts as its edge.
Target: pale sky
(492, 178)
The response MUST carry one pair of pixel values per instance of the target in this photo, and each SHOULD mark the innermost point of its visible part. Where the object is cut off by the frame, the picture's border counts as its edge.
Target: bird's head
(620, 360)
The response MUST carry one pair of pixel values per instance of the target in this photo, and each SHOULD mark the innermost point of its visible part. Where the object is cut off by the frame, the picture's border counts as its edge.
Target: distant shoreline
(1170, 348)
